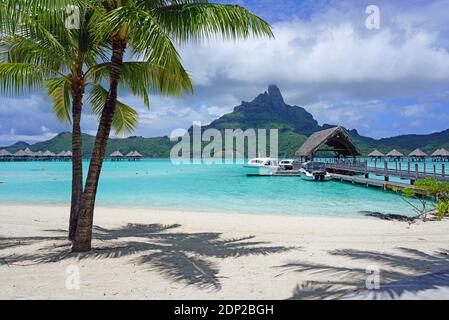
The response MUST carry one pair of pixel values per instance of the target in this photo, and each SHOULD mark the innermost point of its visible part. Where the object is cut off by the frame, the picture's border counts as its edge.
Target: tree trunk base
(81, 247)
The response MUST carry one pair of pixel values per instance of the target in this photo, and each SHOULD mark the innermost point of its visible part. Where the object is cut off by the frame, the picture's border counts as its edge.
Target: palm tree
(149, 27)
(66, 63)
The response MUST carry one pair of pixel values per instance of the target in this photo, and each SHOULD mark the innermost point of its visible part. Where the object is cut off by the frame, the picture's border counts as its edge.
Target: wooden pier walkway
(376, 183)
(279, 173)
(409, 173)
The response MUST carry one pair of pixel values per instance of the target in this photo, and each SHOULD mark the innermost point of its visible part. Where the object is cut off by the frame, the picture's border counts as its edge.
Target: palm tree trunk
(83, 235)
(77, 160)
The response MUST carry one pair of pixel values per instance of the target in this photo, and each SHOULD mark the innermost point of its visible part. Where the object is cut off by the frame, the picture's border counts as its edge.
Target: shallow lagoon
(157, 183)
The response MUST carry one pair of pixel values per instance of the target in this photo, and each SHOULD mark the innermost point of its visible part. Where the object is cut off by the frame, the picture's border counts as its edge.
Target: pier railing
(408, 171)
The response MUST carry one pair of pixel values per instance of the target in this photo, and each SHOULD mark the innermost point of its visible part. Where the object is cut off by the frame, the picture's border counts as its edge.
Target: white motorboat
(314, 171)
(289, 165)
(262, 166)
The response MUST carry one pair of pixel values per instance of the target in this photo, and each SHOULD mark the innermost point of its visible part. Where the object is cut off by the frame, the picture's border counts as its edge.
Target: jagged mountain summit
(268, 110)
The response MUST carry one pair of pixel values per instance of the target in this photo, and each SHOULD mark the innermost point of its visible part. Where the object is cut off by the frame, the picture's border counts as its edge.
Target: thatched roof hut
(69, 154)
(28, 152)
(443, 153)
(418, 153)
(134, 154)
(337, 139)
(116, 154)
(376, 154)
(61, 154)
(48, 154)
(24, 153)
(137, 154)
(394, 154)
(38, 154)
(5, 153)
(19, 153)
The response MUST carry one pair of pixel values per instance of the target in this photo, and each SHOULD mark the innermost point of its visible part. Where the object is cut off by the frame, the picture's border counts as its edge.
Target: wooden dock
(375, 183)
(279, 173)
(408, 173)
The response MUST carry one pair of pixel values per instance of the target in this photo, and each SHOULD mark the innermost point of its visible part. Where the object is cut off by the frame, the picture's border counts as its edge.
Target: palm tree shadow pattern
(182, 257)
(395, 273)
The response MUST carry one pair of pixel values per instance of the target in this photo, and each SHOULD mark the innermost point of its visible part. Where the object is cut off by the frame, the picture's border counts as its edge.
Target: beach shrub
(442, 209)
(421, 210)
(433, 189)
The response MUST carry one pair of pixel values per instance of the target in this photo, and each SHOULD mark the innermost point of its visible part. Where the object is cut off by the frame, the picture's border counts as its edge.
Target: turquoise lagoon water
(221, 188)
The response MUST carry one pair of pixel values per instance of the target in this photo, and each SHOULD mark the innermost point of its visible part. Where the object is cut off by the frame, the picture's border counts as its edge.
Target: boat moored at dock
(262, 167)
(314, 171)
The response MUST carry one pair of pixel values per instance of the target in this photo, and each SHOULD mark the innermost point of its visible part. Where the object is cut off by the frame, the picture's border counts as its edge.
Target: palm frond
(59, 91)
(197, 21)
(142, 78)
(18, 78)
(15, 13)
(145, 36)
(125, 117)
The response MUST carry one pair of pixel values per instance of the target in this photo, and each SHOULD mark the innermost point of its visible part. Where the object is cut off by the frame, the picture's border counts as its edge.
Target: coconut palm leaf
(59, 91)
(125, 118)
(197, 20)
(144, 34)
(19, 78)
(143, 77)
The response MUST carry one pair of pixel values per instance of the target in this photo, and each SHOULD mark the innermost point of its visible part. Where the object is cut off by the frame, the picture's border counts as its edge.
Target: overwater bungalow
(418, 155)
(376, 154)
(5, 155)
(23, 155)
(394, 155)
(48, 155)
(116, 156)
(63, 156)
(436, 153)
(334, 140)
(39, 154)
(440, 155)
(134, 155)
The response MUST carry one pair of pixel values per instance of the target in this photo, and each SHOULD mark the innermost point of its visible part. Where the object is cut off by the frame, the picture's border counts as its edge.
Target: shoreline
(156, 254)
(193, 211)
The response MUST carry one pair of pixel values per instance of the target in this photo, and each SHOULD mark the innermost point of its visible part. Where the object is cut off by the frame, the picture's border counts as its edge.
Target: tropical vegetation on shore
(439, 191)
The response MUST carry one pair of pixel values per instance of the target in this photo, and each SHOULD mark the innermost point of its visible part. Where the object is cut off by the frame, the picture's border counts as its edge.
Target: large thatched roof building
(337, 140)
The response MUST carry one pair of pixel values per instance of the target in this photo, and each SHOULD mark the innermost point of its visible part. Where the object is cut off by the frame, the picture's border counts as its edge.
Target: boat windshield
(315, 166)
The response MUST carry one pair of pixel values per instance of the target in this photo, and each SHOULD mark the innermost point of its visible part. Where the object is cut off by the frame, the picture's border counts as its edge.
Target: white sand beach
(191, 255)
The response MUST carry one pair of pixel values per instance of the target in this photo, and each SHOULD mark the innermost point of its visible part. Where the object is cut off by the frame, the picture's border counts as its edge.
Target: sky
(386, 81)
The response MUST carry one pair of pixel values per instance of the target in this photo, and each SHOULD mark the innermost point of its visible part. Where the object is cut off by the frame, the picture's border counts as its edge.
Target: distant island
(268, 111)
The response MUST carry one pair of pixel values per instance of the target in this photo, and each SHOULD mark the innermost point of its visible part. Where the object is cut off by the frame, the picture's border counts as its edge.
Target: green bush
(442, 209)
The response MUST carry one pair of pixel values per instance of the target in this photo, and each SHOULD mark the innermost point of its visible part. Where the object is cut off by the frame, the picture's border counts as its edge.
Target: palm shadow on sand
(395, 278)
(182, 257)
